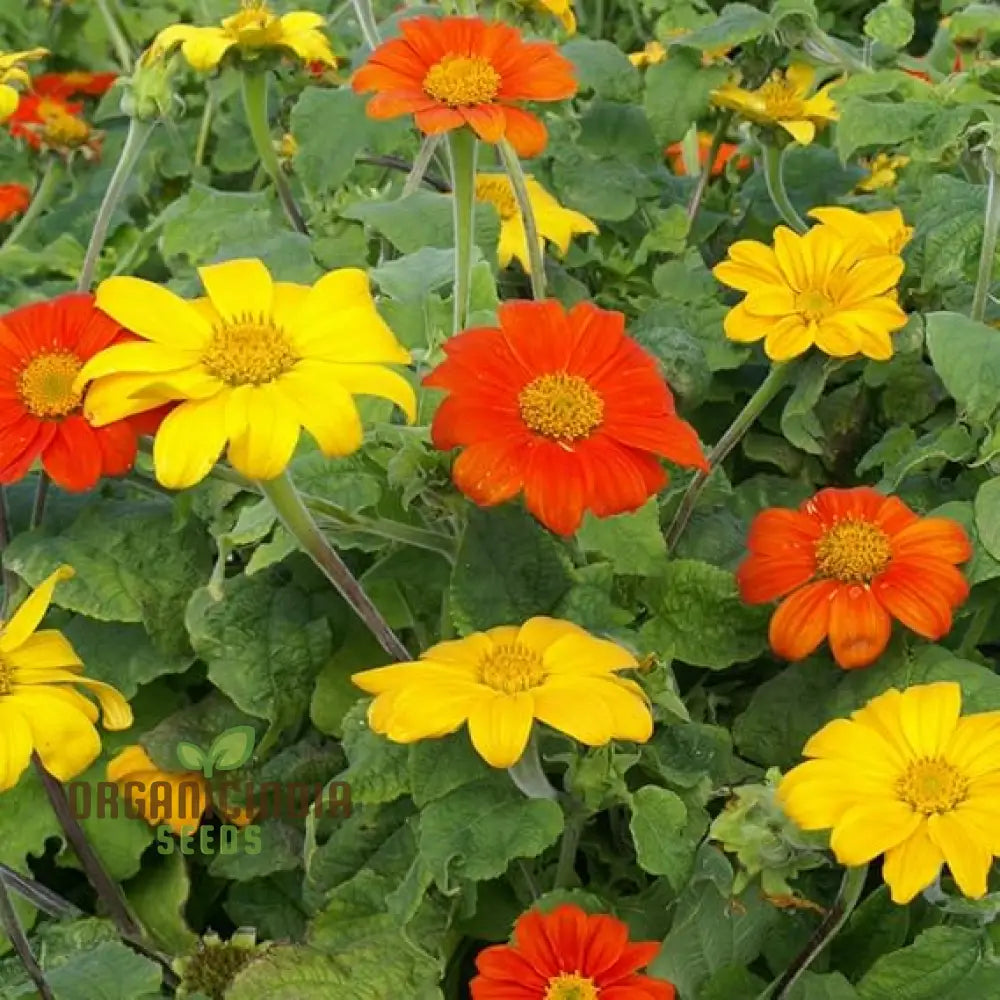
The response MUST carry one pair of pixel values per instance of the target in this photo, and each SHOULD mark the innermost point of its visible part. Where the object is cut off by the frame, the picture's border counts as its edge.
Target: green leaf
(677, 93)
(698, 617)
(876, 124)
(233, 748)
(110, 971)
(658, 824)
(191, 756)
(986, 507)
(159, 894)
(438, 767)
(891, 24)
(827, 987)
(966, 355)
(799, 423)
(877, 927)
(378, 769)
(951, 443)
(477, 830)
(602, 67)
(632, 542)
(982, 566)
(732, 982)
(508, 569)
(334, 693)
(273, 905)
(277, 848)
(737, 23)
(295, 972)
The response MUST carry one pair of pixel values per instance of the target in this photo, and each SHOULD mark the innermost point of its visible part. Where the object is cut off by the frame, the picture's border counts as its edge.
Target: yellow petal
(578, 707)
(803, 132)
(412, 713)
(871, 828)
(968, 858)
(263, 432)
(788, 339)
(205, 49)
(301, 21)
(847, 740)
(464, 654)
(153, 312)
(818, 793)
(189, 441)
(30, 614)
(750, 264)
(15, 744)
(513, 244)
(374, 380)
(743, 328)
(131, 761)
(240, 290)
(418, 674)
(323, 407)
(801, 77)
(540, 633)
(974, 747)
(870, 278)
(116, 710)
(500, 726)
(63, 736)
(116, 396)
(136, 358)
(577, 654)
(288, 297)
(9, 100)
(911, 866)
(43, 650)
(928, 715)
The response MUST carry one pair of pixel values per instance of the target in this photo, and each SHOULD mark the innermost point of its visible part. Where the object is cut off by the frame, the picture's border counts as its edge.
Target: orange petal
(921, 596)
(525, 132)
(859, 627)
(802, 621)
(488, 121)
(780, 532)
(766, 578)
(935, 538)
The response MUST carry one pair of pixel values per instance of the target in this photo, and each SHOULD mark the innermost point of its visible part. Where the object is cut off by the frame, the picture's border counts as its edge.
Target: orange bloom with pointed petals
(460, 71)
(568, 954)
(562, 406)
(726, 152)
(72, 83)
(14, 199)
(851, 560)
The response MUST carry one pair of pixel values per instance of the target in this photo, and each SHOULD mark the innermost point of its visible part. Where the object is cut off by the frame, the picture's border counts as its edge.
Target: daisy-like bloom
(554, 223)
(568, 954)
(562, 405)
(649, 55)
(882, 170)
(851, 561)
(73, 83)
(251, 364)
(178, 800)
(14, 199)
(561, 9)
(500, 681)
(460, 71)
(819, 289)
(906, 777)
(785, 101)
(12, 72)
(40, 707)
(253, 31)
(43, 347)
(727, 150)
(875, 233)
(53, 122)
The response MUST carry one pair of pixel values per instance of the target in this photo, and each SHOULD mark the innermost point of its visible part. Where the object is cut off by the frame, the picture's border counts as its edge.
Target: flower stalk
(138, 132)
(43, 196)
(295, 516)
(462, 150)
(366, 21)
(705, 175)
(512, 164)
(991, 229)
(255, 106)
(528, 774)
(15, 934)
(419, 169)
(123, 51)
(774, 177)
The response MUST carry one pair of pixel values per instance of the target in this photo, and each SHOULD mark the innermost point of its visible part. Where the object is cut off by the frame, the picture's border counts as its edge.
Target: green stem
(40, 201)
(705, 176)
(39, 896)
(573, 830)
(462, 154)
(138, 132)
(991, 227)
(776, 380)
(512, 163)
(974, 633)
(528, 774)
(15, 934)
(38, 505)
(847, 899)
(775, 178)
(122, 48)
(204, 130)
(296, 518)
(366, 21)
(255, 105)
(416, 175)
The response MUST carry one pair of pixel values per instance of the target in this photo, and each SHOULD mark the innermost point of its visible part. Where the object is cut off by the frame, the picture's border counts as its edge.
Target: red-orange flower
(72, 83)
(53, 122)
(465, 71)
(568, 955)
(42, 348)
(727, 151)
(562, 405)
(852, 560)
(14, 199)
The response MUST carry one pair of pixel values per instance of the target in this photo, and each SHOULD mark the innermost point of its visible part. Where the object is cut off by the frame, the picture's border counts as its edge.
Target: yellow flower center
(813, 306)
(251, 351)
(254, 24)
(853, 551)
(45, 384)
(511, 668)
(60, 127)
(571, 987)
(497, 191)
(6, 678)
(932, 785)
(561, 406)
(461, 81)
(781, 99)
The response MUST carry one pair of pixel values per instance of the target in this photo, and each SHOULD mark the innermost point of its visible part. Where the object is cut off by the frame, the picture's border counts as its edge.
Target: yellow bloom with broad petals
(252, 364)
(882, 172)
(555, 223)
(253, 30)
(501, 680)
(561, 9)
(40, 707)
(875, 232)
(786, 100)
(12, 72)
(906, 777)
(649, 55)
(817, 289)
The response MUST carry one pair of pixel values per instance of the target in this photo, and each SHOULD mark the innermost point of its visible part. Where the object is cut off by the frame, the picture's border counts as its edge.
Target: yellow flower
(874, 232)
(40, 709)
(252, 363)
(12, 71)
(882, 172)
(501, 680)
(814, 289)
(554, 222)
(652, 53)
(907, 778)
(563, 10)
(252, 31)
(783, 101)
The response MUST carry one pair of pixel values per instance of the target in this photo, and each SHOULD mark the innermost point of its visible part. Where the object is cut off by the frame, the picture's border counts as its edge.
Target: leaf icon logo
(230, 750)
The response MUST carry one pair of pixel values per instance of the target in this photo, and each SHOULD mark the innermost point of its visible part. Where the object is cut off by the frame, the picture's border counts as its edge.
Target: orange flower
(852, 560)
(52, 122)
(42, 348)
(727, 151)
(568, 955)
(75, 82)
(464, 71)
(14, 199)
(562, 405)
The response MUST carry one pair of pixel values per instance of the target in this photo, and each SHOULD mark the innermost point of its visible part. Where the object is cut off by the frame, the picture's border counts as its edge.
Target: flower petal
(240, 290)
(859, 627)
(29, 615)
(189, 441)
(802, 620)
(15, 741)
(500, 726)
(871, 828)
(154, 313)
(911, 866)
(968, 858)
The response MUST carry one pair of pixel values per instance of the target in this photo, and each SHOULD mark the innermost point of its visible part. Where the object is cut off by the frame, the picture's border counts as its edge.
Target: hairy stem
(204, 129)
(255, 106)
(40, 201)
(570, 844)
(528, 774)
(15, 933)
(512, 164)
(462, 149)
(366, 21)
(295, 516)
(991, 227)
(123, 51)
(722, 126)
(40, 896)
(138, 132)
(416, 175)
(774, 176)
